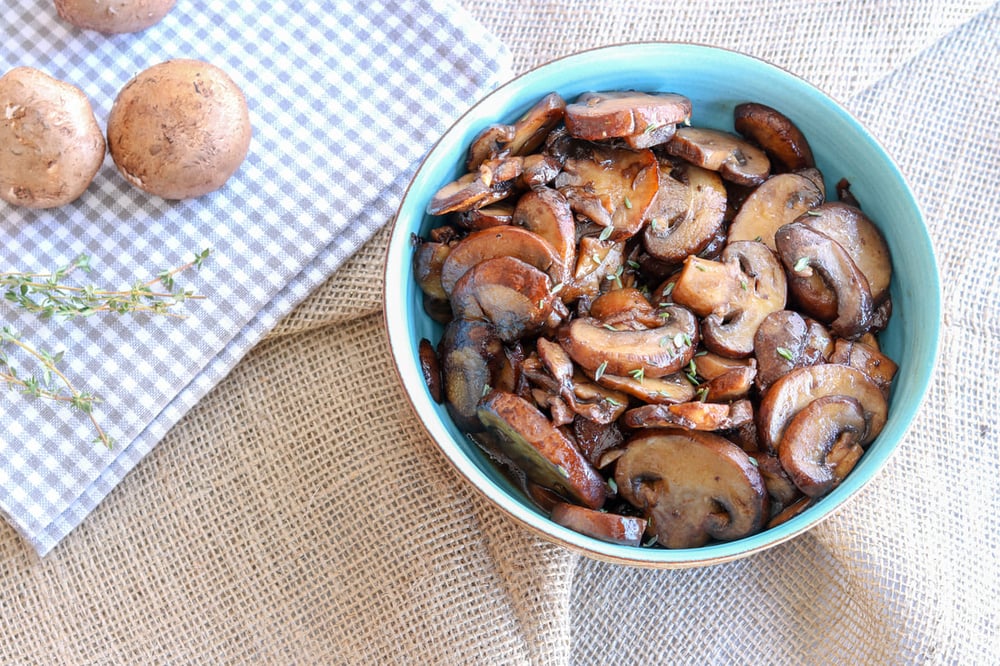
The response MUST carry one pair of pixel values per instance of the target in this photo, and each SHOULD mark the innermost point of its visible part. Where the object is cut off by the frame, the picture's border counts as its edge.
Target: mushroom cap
(504, 241)
(601, 115)
(689, 210)
(736, 160)
(692, 486)
(610, 527)
(773, 131)
(792, 392)
(774, 203)
(471, 356)
(822, 443)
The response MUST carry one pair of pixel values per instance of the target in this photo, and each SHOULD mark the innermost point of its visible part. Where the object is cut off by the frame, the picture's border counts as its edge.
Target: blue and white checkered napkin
(345, 97)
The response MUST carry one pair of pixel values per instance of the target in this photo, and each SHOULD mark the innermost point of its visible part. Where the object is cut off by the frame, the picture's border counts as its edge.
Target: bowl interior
(715, 80)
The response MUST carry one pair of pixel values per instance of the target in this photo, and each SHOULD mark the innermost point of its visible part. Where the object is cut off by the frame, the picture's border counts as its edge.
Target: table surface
(266, 527)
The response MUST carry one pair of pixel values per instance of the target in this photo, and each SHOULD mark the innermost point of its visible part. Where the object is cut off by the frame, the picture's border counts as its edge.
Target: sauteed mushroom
(616, 331)
(692, 487)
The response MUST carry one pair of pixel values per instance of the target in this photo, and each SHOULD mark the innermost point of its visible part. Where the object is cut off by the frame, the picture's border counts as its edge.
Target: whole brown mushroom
(51, 143)
(114, 16)
(179, 129)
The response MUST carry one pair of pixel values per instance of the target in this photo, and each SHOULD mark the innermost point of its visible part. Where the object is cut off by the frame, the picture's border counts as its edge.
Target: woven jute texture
(299, 514)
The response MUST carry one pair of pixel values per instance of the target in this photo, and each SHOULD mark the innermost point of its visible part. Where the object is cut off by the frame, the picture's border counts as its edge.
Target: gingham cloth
(344, 99)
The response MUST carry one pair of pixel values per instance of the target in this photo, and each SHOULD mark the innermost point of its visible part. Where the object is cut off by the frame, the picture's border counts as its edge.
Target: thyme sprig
(44, 384)
(48, 294)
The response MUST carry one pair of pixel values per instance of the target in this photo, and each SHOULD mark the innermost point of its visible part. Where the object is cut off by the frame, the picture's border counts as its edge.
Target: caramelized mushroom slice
(430, 367)
(669, 389)
(547, 213)
(776, 202)
(862, 240)
(595, 261)
(653, 352)
(610, 527)
(734, 296)
(785, 341)
(427, 262)
(495, 215)
(545, 455)
(684, 219)
(822, 443)
(594, 402)
(614, 187)
(539, 171)
(533, 128)
(595, 439)
(706, 416)
(877, 366)
(508, 241)
(468, 192)
(602, 115)
(735, 159)
(491, 143)
(806, 252)
(780, 487)
(773, 131)
(692, 487)
(625, 308)
(791, 393)
(794, 509)
(515, 297)
(471, 356)
(732, 385)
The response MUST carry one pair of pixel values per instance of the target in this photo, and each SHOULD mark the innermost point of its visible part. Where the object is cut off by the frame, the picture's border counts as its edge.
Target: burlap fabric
(299, 514)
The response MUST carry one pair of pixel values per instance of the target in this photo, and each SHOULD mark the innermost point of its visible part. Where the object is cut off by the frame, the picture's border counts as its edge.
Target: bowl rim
(533, 521)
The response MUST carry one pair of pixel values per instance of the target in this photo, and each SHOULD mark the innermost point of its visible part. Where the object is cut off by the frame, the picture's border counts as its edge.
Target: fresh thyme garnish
(49, 295)
(600, 371)
(785, 353)
(606, 233)
(639, 374)
(801, 264)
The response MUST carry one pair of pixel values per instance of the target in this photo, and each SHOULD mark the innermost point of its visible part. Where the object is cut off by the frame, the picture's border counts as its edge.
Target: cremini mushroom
(736, 160)
(471, 356)
(546, 212)
(689, 210)
(506, 241)
(652, 352)
(610, 527)
(868, 359)
(784, 341)
(774, 203)
(644, 117)
(733, 296)
(822, 443)
(532, 129)
(773, 131)
(614, 187)
(469, 191)
(792, 392)
(430, 367)
(515, 297)
(809, 254)
(543, 452)
(695, 415)
(692, 487)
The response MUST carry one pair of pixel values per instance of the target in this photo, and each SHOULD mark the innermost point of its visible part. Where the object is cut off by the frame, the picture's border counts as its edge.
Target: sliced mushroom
(595, 439)
(533, 128)
(776, 202)
(822, 443)
(602, 115)
(785, 341)
(862, 240)
(625, 308)
(710, 365)
(430, 367)
(427, 263)
(507, 241)
(669, 389)
(515, 297)
(735, 384)
(495, 215)
(706, 416)
(584, 397)
(877, 366)
(491, 143)
(610, 527)
(692, 487)
(794, 509)
(595, 261)
(468, 192)
(791, 393)
(547, 213)
(780, 487)
(773, 131)
(688, 211)
(614, 187)
(654, 352)
(539, 171)
(734, 296)
(471, 356)
(806, 253)
(545, 454)
(736, 160)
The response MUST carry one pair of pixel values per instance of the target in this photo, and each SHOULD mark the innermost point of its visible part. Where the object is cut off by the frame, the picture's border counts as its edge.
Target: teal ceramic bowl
(715, 80)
